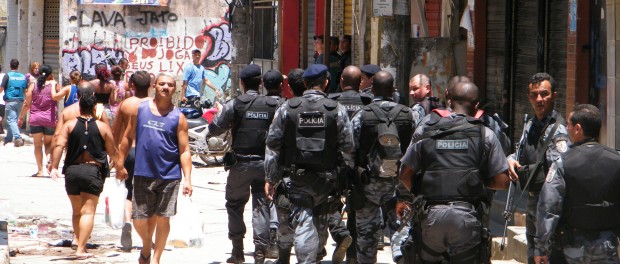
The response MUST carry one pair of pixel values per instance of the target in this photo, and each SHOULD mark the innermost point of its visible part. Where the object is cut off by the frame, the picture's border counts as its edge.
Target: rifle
(508, 210)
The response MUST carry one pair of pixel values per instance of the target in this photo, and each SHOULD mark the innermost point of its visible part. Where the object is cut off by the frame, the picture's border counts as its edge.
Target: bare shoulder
(71, 112)
(131, 104)
(103, 126)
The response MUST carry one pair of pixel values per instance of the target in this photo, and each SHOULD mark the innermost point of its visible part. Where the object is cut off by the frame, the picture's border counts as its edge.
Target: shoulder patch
(294, 102)
(552, 172)
(330, 104)
(561, 146)
(271, 101)
(245, 98)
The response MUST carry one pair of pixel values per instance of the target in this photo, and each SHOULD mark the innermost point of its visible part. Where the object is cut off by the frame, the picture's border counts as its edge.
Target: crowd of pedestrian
(424, 173)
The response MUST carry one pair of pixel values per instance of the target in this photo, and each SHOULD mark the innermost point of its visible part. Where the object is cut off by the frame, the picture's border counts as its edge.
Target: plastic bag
(115, 198)
(186, 227)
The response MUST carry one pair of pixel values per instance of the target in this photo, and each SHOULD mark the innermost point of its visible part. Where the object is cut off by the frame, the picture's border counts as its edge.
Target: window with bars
(264, 26)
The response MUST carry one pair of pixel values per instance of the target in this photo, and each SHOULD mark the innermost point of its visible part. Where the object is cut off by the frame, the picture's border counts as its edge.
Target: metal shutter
(311, 8)
(556, 49)
(51, 36)
(495, 53)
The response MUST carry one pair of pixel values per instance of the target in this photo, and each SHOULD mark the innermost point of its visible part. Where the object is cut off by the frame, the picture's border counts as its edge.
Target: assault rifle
(508, 210)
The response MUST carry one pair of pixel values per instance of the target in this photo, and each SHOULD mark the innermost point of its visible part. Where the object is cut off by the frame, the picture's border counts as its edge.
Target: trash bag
(186, 227)
(116, 194)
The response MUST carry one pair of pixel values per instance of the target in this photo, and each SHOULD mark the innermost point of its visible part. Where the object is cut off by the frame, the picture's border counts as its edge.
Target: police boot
(340, 252)
(259, 256)
(272, 250)
(237, 252)
(380, 241)
(284, 256)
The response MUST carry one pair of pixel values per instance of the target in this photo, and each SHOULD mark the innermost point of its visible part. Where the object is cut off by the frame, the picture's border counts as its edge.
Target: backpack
(385, 153)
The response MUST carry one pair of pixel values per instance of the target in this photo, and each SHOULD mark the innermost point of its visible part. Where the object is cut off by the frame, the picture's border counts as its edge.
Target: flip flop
(143, 259)
(37, 175)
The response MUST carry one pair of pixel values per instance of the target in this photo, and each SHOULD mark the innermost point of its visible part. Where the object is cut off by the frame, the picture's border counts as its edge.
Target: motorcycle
(198, 116)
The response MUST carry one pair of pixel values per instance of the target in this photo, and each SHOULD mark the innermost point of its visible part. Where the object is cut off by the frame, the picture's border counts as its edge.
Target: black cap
(314, 71)
(250, 71)
(272, 78)
(370, 69)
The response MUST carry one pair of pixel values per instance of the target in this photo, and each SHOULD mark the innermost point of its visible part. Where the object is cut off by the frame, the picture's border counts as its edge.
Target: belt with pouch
(454, 204)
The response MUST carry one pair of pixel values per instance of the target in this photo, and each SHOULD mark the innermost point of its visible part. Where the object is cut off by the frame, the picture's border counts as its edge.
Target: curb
(4, 243)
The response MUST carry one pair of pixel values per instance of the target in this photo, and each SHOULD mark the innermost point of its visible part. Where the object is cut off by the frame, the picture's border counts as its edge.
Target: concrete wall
(155, 39)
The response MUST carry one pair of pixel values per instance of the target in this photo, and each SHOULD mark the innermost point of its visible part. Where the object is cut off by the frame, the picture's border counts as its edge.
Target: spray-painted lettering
(153, 17)
(100, 18)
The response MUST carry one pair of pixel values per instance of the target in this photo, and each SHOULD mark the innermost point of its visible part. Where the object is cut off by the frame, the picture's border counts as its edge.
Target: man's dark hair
(87, 100)
(14, 64)
(347, 37)
(540, 77)
(589, 117)
(383, 84)
(141, 80)
(252, 83)
(334, 40)
(318, 81)
(123, 60)
(296, 81)
(196, 51)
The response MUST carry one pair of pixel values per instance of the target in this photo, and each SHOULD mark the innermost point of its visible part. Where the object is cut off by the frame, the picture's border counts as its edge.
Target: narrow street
(43, 202)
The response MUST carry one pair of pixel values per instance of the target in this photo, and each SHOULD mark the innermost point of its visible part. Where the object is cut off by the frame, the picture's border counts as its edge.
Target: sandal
(37, 175)
(143, 259)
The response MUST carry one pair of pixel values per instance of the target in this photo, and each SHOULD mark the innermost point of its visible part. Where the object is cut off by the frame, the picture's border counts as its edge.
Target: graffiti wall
(154, 39)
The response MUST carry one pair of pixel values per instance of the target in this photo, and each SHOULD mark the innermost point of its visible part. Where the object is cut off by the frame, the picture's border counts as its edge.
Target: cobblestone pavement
(42, 202)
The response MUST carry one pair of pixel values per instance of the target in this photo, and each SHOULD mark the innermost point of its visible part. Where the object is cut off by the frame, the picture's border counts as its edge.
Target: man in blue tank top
(162, 152)
(13, 84)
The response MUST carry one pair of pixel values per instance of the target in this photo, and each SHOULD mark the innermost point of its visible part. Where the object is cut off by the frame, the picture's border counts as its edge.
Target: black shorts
(48, 131)
(130, 163)
(83, 178)
(2, 108)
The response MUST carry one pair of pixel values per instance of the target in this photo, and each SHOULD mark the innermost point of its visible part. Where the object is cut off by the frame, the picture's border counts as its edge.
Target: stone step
(515, 248)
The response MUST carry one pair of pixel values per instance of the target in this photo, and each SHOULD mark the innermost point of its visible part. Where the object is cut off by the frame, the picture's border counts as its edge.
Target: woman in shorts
(88, 142)
(104, 87)
(43, 113)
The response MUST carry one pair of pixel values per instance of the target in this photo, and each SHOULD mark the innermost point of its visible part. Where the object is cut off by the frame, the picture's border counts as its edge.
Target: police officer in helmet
(304, 141)
(248, 116)
(458, 159)
(579, 202)
(382, 132)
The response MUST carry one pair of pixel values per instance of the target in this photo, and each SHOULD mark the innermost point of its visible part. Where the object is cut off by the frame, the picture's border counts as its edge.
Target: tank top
(72, 97)
(120, 95)
(83, 138)
(43, 108)
(157, 145)
(102, 98)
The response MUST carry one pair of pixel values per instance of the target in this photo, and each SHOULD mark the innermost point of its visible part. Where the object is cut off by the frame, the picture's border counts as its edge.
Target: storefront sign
(382, 8)
(124, 2)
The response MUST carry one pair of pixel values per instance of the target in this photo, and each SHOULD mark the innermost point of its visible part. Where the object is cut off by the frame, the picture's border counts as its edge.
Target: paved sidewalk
(45, 201)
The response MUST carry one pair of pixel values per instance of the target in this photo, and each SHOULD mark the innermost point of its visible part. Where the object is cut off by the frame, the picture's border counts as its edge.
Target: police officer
(368, 71)
(377, 121)
(14, 84)
(421, 92)
(304, 141)
(296, 81)
(248, 116)
(353, 101)
(458, 159)
(545, 138)
(272, 81)
(579, 201)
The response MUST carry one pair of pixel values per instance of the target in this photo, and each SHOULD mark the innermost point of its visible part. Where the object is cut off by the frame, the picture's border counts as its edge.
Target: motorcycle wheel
(205, 159)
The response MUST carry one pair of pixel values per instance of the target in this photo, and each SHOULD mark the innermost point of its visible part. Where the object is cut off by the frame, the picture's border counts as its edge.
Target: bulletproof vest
(253, 116)
(310, 137)
(592, 178)
(532, 149)
(371, 132)
(16, 86)
(453, 163)
(430, 103)
(351, 100)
